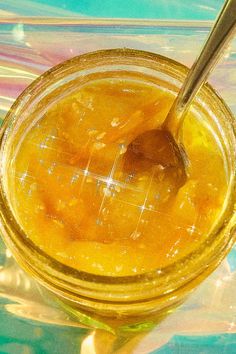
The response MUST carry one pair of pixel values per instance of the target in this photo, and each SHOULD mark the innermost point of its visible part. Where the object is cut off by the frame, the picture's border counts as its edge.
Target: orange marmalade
(98, 187)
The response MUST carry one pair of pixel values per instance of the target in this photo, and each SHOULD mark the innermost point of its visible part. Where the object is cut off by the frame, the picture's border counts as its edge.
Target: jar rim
(8, 217)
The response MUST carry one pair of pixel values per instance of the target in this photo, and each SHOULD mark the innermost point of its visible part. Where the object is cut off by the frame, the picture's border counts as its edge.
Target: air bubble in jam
(109, 195)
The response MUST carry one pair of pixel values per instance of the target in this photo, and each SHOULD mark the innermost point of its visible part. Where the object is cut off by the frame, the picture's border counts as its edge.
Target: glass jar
(124, 300)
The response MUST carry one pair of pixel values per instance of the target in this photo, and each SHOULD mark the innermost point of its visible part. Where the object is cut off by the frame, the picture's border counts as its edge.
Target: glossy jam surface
(98, 186)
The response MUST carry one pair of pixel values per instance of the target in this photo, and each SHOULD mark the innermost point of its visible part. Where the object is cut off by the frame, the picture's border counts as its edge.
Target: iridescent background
(34, 36)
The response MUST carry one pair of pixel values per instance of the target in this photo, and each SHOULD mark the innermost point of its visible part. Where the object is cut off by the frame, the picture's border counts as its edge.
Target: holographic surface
(207, 321)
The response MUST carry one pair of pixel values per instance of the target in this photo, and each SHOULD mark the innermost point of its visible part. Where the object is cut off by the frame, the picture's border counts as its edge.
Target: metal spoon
(171, 128)
(213, 49)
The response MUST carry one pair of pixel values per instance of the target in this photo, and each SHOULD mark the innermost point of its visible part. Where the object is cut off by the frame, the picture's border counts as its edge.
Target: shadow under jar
(93, 203)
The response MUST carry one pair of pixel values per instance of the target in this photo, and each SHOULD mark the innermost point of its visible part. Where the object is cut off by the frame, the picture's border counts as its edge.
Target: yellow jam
(98, 186)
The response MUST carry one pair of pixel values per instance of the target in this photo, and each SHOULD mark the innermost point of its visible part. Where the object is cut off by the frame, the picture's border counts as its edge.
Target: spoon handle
(218, 39)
